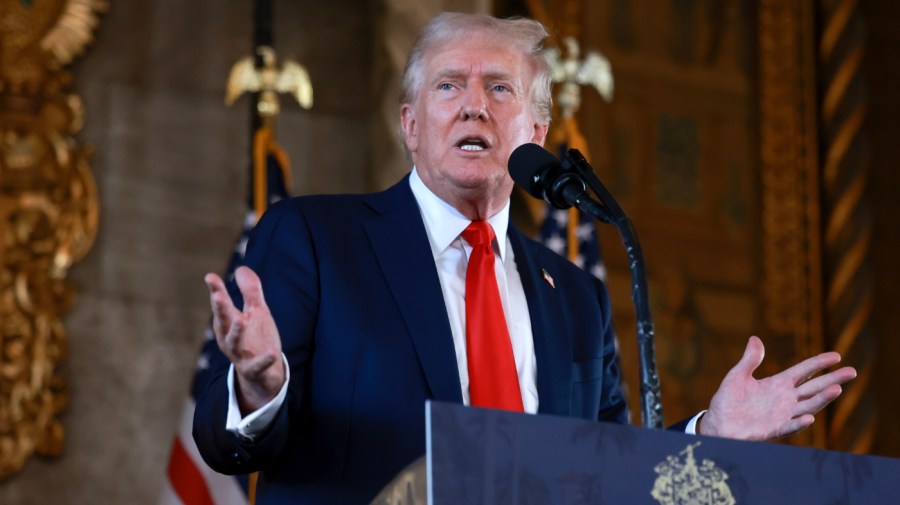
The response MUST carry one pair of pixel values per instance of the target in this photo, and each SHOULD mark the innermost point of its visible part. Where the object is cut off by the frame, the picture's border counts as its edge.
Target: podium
(484, 457)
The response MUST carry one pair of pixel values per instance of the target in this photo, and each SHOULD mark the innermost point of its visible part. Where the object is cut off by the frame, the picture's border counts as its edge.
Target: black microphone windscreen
(527, 165)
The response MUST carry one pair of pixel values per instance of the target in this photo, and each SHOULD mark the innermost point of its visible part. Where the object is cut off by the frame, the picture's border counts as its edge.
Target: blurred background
(752, 142)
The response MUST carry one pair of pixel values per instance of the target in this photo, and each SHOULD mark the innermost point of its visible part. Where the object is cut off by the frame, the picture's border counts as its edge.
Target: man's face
(472, 109)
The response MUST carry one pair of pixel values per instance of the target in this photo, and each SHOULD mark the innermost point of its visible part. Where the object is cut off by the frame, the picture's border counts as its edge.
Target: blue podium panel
(482, 456)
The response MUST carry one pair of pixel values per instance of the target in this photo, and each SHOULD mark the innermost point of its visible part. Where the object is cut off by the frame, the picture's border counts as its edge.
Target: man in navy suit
(350, 312)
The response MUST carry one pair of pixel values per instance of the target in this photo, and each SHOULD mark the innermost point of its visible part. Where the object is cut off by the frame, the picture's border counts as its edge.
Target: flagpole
(260, 75)
(262, 37)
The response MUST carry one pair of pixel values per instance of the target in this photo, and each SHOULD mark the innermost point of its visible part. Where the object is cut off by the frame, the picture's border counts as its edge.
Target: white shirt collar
(444, 223)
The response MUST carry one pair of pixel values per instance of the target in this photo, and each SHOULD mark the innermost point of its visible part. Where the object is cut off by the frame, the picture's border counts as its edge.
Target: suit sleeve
(613, 407)
(281, 251)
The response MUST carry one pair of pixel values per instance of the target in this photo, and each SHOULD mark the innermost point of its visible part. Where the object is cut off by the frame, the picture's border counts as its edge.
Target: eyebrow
(449, 73)
(459, 74)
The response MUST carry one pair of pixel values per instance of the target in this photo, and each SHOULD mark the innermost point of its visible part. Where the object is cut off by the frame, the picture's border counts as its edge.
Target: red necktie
(493, 381)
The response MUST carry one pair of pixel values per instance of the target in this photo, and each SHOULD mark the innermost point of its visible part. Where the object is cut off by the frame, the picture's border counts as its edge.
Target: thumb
(251, 287)
(752, 358)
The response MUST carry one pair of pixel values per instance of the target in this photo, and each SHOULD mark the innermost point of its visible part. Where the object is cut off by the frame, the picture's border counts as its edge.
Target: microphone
(563, 184)
(545, 177)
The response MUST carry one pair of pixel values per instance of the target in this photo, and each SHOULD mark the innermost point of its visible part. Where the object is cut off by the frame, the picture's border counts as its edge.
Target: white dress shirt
(444, 225)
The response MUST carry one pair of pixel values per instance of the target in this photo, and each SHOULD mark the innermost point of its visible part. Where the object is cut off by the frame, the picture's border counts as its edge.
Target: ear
(409, 127)
(539, 135)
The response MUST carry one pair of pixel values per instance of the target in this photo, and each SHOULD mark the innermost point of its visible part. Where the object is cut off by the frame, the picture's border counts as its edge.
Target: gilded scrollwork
(48, 211)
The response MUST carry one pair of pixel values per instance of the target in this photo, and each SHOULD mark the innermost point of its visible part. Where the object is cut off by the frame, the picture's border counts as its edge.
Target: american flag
(189, 481)
(554, 234)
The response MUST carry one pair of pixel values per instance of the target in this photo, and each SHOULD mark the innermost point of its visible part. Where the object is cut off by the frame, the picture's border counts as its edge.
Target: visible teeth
(471, 147)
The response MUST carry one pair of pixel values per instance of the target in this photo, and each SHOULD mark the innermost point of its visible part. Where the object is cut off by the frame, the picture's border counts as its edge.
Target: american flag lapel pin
(548, 278)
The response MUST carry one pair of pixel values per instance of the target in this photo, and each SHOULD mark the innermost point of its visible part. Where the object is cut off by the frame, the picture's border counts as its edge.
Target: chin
(474, 179)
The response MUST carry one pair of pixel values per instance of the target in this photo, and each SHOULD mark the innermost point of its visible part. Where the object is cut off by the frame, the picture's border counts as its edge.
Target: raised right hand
(248, 338)
(773, 407)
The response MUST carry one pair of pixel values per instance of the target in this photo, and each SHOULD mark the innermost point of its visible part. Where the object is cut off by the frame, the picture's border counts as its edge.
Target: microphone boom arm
(609, 211)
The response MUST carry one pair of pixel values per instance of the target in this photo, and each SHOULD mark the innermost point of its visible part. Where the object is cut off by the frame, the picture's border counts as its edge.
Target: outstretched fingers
(803, 371)
(817, 402)
(223, 309)
(248, 338)
(775, 406)
(251, 287)
(817, 393)
(231, 341)
(818, 384)
(796, 424)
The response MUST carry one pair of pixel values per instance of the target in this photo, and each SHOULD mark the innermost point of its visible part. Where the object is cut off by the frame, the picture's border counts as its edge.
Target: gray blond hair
(525, 34)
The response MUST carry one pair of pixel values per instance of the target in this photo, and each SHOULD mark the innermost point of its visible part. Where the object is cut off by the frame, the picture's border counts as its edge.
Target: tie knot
(478, 233)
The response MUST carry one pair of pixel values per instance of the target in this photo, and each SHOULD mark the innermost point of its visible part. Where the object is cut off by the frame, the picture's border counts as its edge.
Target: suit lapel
(400, 244)
(551, 342)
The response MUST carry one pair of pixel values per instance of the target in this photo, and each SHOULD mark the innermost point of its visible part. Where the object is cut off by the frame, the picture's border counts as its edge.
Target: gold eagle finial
(572, 73)
(269, 80)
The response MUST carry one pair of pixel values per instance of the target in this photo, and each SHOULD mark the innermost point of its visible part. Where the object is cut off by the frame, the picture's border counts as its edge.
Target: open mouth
(473, 144)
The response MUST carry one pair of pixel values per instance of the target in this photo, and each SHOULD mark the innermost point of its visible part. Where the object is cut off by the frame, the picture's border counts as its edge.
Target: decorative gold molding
(48, 211)
(800, 196)
(791, 258)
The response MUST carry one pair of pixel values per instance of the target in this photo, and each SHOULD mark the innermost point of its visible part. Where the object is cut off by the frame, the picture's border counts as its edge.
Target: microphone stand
(609, 211)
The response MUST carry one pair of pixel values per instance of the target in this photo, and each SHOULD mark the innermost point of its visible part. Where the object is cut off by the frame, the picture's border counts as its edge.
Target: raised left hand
(249, 338)
(774, 407)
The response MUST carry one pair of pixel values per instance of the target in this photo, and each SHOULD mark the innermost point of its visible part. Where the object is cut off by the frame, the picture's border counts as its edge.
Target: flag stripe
(220, 489)
(186, 478)
(224, 489)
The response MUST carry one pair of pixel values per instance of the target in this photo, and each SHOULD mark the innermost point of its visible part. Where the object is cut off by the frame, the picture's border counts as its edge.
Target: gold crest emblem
(685, 483)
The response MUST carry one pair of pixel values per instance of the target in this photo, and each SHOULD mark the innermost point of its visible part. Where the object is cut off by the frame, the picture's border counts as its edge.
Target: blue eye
(445, 86)
(500, 87)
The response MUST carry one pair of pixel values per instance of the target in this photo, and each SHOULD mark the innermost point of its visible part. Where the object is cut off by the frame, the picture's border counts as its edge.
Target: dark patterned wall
(678, 147)
(881, 67)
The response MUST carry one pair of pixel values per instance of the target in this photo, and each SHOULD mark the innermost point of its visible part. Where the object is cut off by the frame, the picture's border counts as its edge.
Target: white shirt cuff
(691, 428)
(257, 422)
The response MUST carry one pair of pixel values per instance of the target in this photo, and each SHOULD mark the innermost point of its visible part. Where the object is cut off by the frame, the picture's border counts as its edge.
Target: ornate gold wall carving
(48, 215)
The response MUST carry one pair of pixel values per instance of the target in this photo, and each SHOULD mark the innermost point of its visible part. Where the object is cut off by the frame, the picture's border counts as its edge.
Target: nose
(474, 104)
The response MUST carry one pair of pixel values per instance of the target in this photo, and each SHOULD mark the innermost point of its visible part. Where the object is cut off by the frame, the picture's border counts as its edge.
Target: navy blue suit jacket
(353, 288)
